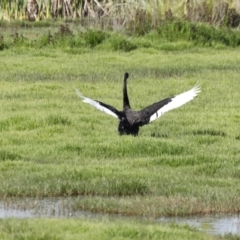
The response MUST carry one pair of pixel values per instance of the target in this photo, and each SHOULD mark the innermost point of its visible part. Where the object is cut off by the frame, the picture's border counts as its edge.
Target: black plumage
(129, 120)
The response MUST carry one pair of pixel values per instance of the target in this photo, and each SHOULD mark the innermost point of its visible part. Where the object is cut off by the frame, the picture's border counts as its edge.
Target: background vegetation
(121, 15)
(172, 35)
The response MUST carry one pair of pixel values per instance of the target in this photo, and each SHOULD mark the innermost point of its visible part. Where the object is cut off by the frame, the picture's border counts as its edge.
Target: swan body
(129, 120)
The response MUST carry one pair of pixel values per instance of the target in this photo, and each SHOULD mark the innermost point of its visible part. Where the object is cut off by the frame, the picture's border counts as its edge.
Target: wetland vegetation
(52, 144)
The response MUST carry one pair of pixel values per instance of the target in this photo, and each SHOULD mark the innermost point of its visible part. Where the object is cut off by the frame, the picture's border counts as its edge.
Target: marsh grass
(91, 229)
(52, 144)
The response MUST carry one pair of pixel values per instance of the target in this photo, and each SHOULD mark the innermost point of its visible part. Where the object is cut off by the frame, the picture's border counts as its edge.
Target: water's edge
(61, 208)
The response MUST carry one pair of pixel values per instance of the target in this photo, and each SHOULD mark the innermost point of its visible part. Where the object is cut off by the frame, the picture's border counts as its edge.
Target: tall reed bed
(122, 14)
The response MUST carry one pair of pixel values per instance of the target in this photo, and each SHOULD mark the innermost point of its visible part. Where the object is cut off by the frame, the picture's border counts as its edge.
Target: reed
(120, 15)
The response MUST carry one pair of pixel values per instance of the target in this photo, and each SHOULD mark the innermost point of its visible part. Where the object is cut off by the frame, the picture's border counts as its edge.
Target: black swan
(129, 120)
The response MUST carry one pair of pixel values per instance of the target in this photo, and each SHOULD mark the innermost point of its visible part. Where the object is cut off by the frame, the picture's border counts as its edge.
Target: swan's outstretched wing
(99, 105)
(156, 110)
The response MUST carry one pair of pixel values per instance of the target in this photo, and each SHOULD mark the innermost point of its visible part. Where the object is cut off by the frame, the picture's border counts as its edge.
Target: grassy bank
(79, 229)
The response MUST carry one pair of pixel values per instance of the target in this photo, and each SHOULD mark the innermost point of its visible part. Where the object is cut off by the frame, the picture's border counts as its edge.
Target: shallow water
(212, 224)
(48, 207)
(62, 208)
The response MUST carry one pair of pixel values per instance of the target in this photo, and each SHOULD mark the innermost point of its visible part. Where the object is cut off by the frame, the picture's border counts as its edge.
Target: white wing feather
(95, 104)
(176, 102)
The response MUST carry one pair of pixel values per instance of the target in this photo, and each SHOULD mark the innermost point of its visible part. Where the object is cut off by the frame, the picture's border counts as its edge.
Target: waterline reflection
(212, 224)
(62, 208)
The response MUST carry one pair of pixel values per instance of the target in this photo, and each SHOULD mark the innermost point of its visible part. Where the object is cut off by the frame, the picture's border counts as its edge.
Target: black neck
(125, 94)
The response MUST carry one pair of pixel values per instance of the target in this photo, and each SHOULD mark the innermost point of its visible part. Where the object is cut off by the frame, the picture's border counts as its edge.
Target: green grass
(171, 35)
(52, 144)
(105, 229)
